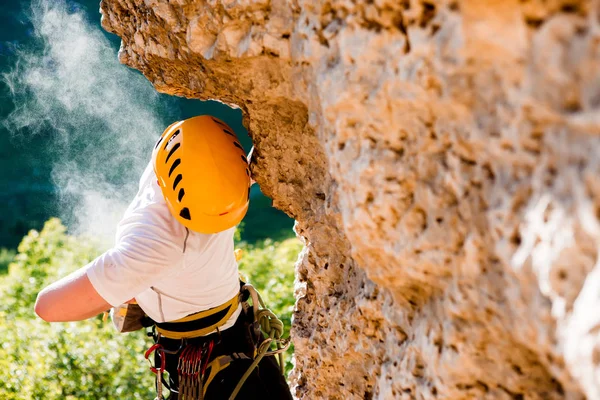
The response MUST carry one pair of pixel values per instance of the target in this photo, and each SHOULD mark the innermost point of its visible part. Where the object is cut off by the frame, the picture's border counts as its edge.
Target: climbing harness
(199, 324)
(195, 368)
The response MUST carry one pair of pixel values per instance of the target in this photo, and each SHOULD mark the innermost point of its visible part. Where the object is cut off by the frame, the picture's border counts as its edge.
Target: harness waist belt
(199, 324)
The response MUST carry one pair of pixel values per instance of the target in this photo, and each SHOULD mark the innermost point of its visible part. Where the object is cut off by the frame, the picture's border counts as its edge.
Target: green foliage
(78, 360)
(89, 359)
(6, 257)
(269, 267)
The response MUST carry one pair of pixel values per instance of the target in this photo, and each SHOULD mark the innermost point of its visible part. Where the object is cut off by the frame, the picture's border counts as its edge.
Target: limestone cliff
(442, 161)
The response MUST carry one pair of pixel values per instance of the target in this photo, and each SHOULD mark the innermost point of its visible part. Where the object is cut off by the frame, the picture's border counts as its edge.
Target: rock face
(442, 160)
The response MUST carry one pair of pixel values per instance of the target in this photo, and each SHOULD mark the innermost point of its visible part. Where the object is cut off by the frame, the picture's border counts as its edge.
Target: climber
(173, 268)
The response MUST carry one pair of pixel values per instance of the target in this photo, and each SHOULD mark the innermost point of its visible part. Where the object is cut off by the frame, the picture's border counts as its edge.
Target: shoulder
(148, 221)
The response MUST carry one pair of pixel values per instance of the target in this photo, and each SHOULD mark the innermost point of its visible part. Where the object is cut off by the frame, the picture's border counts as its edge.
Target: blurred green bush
(89, 360)
(78, 360)
(6, 257)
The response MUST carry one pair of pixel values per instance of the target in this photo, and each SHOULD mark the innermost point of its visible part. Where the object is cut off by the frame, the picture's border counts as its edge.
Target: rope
(273, 327)
(269, 323)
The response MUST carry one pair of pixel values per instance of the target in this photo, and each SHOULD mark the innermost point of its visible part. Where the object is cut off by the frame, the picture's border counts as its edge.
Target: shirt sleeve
(137, 262)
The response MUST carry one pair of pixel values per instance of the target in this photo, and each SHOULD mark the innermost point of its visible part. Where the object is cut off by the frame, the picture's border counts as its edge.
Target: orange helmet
(203, 173)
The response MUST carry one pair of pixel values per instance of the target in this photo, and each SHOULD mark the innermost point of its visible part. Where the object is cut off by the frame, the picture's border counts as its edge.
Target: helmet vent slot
(158, 142)
(173, 136)
(181, 194)
(239, 146)
(219, 122)
(177, 180)
(175, 165)
(173, 150)
(185, 214)
(244, 159)
(227, 131)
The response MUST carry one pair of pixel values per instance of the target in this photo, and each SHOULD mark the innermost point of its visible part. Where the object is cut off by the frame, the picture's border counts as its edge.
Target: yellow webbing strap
(232, 304)
(219, 364)
(216, 366)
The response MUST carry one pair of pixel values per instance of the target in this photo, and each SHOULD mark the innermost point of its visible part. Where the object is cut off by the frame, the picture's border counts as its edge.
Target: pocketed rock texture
(442, 160)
